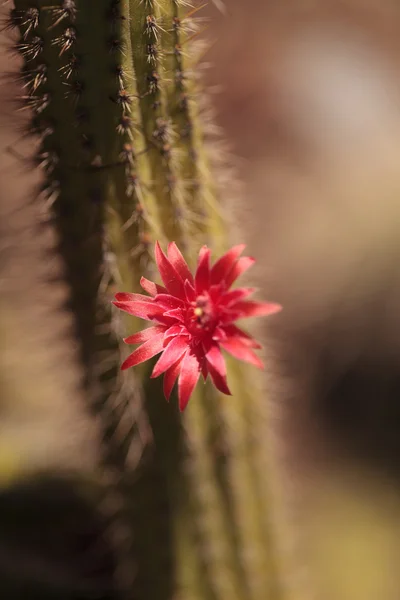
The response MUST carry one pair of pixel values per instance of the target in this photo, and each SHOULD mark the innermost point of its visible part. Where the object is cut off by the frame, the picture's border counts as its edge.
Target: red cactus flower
(194, 318)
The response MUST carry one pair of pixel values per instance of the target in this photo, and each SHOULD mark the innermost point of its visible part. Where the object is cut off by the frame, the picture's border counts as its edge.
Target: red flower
(194, 318)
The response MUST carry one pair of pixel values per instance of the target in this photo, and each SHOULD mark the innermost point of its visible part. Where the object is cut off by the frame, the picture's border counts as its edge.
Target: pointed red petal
(235, 332)
(144, 352)
(202, 277)
(170, 276)
(215, 358)
(152, 288)
(190, 373)
(126, 297)
(175, 330)
(233, 296)
(190, 291)
(256, 309)
(224, 264)
(217, 292)
(143, 310)
(170, 376)
(172, 352)
(146, 334)
(217, 369)
(176, 259)
(176, 314)
(238, 268)
(239, 350)
(219, 382)
(168, 302)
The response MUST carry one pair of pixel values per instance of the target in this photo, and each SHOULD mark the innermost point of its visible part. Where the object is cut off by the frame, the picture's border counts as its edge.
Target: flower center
(201, 315)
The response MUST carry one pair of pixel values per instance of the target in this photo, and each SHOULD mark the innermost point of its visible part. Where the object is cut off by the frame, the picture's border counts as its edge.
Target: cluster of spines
(135, 219)
(160, 134)
(185, 115)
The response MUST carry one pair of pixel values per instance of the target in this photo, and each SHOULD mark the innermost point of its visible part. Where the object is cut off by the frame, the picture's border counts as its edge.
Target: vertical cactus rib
(113, 90)
(220, 554)
(147, 58)
(245, 427)
(180, 69)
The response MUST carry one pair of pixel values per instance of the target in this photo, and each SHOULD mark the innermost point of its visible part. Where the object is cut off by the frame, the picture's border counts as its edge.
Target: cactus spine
(112, 89)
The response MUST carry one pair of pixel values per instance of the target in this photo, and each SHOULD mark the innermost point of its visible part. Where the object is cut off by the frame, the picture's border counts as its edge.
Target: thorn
(115, 45)
(75, 91)
(119, 71)
(34, 78)
(154, 81)
(27, 20)
(31, 50)
(67, 10)
(72, 66)
(36, 103)
(162, 132)
(124, 126)
(123, 99)
(66, 40)
(152, 53)
(127, 156)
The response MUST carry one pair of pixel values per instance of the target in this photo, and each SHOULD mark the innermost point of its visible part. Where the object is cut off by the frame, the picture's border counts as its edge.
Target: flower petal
(190, 373)
(176, 259)
(217, 368)
(126, 297)
(235, 295)
(216, 292)
(176, 329)
(255, 309)
(224, 264)
(152, 288)
(176, 313)
(239, 267)
(168, 302)
(202, 277)
(143, 310)
(170, 376)
(232, 331)
(215, 358)
(239, 350)
(170, 276)
(146, 334)
(144, 352)
(219, 381)
(190, 291)
(172, 352)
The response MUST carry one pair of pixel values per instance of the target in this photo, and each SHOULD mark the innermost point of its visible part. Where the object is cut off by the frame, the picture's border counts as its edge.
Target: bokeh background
(307, 94)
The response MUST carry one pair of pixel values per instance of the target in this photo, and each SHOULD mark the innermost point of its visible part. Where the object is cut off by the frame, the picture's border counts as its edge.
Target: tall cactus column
(112, 90)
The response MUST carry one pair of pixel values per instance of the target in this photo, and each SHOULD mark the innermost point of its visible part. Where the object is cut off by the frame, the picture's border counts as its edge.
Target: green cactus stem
(114, 97)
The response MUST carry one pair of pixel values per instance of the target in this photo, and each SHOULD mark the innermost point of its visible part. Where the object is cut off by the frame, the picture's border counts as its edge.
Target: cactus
(113, 93)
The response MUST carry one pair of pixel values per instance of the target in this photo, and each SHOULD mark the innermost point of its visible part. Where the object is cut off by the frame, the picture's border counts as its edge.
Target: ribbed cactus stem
(207, 495)
(114, 95)
(246, 428)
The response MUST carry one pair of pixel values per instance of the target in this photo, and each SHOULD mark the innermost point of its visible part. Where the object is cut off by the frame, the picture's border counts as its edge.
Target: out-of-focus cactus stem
(113, 95)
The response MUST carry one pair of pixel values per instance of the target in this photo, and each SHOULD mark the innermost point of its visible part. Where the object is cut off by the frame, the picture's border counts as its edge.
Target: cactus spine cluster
(112, 89)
